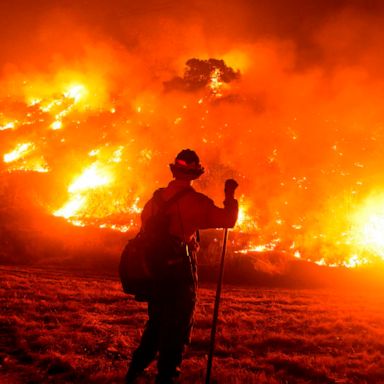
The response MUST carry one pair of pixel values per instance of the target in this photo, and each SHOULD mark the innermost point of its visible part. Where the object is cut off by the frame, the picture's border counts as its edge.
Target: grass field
(67, 327)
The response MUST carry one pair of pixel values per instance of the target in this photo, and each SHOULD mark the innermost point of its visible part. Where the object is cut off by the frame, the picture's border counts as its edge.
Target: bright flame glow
(46, 107)
(33, 101)
(244, 221)
(368, 227)
(297, 254)
(117, 155)
(19, 152)
(56, 125)
(216, 84)
(10, 125)
(355, 261)
(92, 177)
(76, 92)
(104, 190)
(38, 165)
(261, 247)
(72, 207)
(373, 231)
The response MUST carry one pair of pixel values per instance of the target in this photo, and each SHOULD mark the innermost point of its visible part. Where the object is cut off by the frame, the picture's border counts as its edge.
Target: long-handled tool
(216, 310)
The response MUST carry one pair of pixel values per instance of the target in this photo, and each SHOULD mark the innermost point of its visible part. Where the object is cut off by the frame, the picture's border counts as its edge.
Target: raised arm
(223, 217)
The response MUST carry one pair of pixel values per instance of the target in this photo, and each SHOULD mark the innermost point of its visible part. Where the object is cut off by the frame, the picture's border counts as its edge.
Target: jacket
(193, 211)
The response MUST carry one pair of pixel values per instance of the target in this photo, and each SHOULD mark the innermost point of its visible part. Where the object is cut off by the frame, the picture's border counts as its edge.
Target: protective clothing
(171, 308)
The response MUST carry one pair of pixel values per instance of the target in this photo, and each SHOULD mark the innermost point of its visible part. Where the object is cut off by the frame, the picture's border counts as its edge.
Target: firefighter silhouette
(171, 306)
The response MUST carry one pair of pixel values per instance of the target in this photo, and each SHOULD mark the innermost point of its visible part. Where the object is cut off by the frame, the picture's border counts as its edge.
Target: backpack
(145, 257)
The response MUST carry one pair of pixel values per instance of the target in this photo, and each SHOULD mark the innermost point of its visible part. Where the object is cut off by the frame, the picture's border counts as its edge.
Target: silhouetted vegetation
(198, 74)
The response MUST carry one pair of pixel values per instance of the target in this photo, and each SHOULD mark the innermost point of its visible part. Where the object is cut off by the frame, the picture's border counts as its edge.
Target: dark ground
(72, 327)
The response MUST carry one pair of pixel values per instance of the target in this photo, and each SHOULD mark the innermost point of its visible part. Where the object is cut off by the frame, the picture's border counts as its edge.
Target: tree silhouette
(198, 75)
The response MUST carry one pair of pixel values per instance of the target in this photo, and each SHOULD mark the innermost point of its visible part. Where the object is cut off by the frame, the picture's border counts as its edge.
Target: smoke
(301, 129)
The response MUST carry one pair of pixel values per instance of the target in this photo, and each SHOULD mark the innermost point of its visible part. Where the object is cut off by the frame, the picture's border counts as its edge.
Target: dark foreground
(61, 327)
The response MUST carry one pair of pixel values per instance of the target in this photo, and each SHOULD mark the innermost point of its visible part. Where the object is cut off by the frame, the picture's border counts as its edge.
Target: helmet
(187, 165)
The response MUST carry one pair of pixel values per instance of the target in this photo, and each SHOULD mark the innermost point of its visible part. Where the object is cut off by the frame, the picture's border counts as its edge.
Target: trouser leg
(176, 322)
(149, 343)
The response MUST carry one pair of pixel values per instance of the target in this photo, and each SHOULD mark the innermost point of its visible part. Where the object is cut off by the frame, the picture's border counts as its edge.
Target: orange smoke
(83, 100)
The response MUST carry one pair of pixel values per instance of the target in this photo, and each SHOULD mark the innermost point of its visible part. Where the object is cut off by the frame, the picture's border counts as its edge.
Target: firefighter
(171, 307)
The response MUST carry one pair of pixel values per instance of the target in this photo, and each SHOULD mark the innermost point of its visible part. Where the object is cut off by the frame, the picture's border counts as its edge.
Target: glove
(229, 188)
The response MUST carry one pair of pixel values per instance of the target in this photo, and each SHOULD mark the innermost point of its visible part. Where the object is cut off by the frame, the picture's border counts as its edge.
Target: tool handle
(216, 310)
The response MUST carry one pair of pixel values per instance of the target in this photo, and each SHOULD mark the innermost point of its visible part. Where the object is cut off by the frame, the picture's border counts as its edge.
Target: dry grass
(61, 327)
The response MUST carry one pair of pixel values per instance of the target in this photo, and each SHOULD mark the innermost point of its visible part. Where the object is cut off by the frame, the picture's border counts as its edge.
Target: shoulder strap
(165, 204)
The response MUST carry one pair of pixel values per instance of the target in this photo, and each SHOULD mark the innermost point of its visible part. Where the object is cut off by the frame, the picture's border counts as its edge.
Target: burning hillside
(99, 109)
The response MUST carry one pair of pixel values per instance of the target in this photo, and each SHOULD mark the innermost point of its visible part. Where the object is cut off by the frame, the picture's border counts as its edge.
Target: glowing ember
(56, 125)
(117, 155)
(94, 152)
(115, 227)
(33, 101)
(46, 107)
(297, 254)
(134, 208)
(37, 165)
(261, 247)
(355, 261)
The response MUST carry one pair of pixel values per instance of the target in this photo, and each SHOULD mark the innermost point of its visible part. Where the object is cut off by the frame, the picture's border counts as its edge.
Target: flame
(267, 247)
(19, 152)
(355, 261)
(216, 84)
(56, 125)
(72, 207)
(37, 165)
(89, 199)
(76, 92)
(17, 159)
(245, 222)
(117, 155)
(9, 125)
(63, 95)
(33, 101)
(368, 227)
(94, 152)
(94, 176)
(106, 114)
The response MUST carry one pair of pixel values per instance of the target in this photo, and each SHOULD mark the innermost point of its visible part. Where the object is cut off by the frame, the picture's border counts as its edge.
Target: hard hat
(187, 165)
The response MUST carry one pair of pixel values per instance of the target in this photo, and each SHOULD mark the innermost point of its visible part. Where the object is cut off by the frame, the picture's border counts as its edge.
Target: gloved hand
(229, 188)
